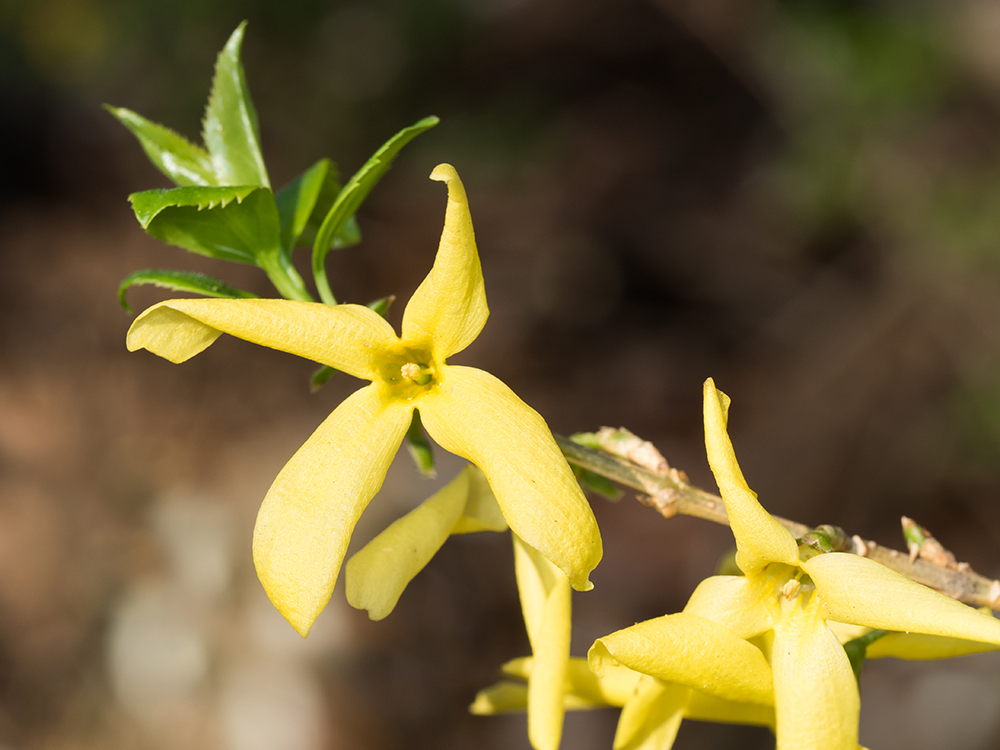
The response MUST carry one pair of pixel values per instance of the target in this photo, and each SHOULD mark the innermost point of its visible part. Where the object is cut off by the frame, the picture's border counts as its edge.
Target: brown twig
(669, 492)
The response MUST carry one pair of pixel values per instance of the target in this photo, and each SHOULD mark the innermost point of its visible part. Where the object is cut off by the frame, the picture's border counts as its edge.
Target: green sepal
(419, 447)
(381, 305)
(182, 161)
(596, 483)
(239, 224)
(857, 649)
(180, 281)
(318, 379)
(352, 195)
(230, 127)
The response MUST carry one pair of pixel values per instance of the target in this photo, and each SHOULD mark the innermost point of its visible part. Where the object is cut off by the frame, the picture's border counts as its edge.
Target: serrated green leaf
(230, 131)
(419, 447)
(173, 154)
(239, 224)
(297, 201)
(180, 281)
(353, 195)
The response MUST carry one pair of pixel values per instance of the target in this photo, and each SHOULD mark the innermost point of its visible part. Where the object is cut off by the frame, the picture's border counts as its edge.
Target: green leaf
(239, 224)
(180, 281)
(420, 448)
(598, 484)
(171, 153)
(324, 373)
(587, 440)
(299, 200)
(857, 649)
(353, 195)
(382, 305)
(230, 128)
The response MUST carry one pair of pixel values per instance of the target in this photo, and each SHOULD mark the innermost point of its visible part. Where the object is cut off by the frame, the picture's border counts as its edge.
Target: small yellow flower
(652, 709)
(377, 575)
(545, 603)
(784, 601)
(307, 517)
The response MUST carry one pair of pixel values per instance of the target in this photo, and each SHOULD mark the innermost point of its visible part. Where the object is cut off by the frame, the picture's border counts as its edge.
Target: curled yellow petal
(343, 336)
(545, 601)
(584, 689)
(306, 519)
(690, 651)
(474, 415)
(449, 306)
(759, 538)
(481, 511)
(860, 591)
(376, 576)
(501, 698)
(920, 647)
(816, 700)
(736, 602)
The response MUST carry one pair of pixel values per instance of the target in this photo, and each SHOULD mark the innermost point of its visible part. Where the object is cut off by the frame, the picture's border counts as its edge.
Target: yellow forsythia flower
(788, 599)
(377, 575)
(307, 517)
(652, 710)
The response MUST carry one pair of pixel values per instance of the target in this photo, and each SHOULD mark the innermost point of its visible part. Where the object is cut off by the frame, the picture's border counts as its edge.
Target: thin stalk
(670, 493)
(285, 278)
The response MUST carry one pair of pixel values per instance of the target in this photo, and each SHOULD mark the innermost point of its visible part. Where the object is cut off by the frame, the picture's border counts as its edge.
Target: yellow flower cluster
(759, 648)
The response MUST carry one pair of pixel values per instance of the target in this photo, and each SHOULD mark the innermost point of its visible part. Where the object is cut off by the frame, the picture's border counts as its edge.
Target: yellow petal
(690, 651)
(584, 689)
(306, 519)
(481, 510)
(545, 601)
(759, 538)
(736, 602)
(918, 647)
(474, 415)
(816, 698)
(860, 591)
(705, 707)
(449, 307)
(504, 697)
(651, 717)
(343, 336)
(376, 576)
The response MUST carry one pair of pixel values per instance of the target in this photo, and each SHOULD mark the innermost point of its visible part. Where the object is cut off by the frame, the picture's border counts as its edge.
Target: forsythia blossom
(377, 575)
(305, 522)
(787, 594)
(652, 709)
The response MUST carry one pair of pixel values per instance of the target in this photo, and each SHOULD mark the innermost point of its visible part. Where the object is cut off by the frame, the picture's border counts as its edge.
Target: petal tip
(444, 173)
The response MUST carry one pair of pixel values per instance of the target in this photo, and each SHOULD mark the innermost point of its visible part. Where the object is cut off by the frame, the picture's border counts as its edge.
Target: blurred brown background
(800, 199)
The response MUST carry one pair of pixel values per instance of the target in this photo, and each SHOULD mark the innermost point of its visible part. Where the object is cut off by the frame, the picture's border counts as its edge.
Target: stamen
(410, 370)
(791, 588)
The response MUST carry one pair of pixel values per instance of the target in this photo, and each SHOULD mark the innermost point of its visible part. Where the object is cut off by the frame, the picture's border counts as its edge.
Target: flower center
(408, 371)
